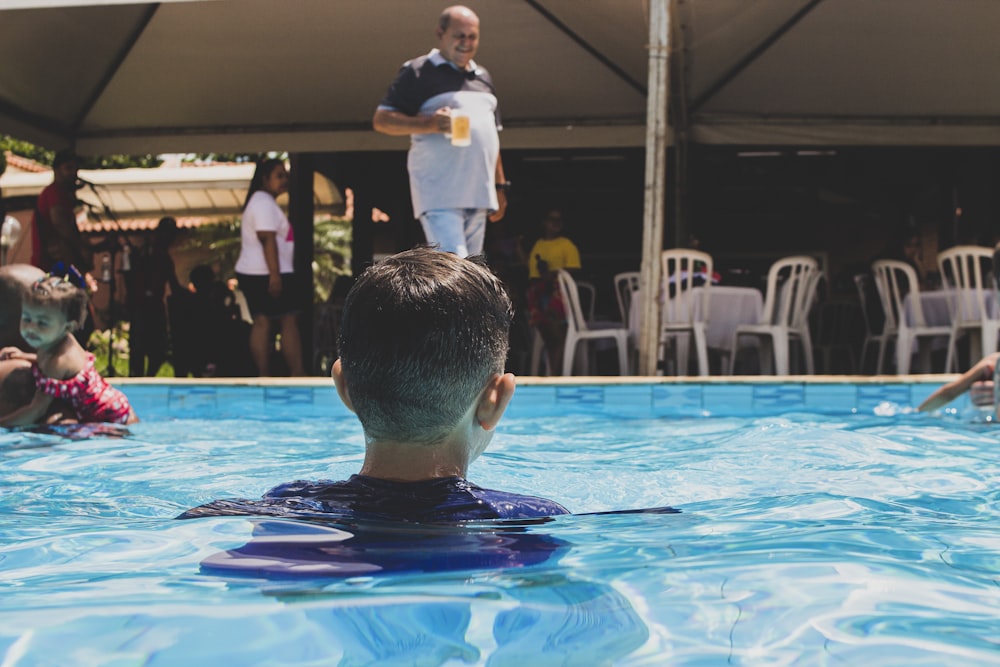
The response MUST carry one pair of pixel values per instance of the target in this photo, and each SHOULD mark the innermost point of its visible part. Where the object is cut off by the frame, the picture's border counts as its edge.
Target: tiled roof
(88, 225)
(18, 163)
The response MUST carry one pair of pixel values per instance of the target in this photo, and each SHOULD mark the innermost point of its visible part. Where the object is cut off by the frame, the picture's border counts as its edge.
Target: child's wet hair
(421, 334)
(55, 292)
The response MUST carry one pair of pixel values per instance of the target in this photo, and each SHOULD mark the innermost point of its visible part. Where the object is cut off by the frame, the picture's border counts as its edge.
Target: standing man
(454, 188)
(55, 236)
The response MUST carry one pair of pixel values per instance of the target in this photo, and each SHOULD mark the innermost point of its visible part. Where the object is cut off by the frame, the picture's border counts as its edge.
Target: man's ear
(337, 373)
(494, 400)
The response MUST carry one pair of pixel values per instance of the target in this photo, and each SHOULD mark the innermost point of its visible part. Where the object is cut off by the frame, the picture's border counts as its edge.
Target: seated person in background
(978, 381)
(52, 309)
(422, 351)
(546, 311)
(222, 345)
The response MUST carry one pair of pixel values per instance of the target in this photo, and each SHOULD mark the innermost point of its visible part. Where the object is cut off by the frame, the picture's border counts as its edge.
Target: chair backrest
(626, 285)
(575, 320)
(681, 271)
(871, 303)
(895, 279)
(962, 270)
(588, 298)
(791, 286)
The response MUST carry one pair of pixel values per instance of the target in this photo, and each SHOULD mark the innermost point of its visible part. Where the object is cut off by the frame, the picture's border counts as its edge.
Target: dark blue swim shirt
(446, 499)
(365, 526)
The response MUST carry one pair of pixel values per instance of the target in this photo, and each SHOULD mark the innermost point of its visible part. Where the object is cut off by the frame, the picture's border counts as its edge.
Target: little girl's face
(43, 327)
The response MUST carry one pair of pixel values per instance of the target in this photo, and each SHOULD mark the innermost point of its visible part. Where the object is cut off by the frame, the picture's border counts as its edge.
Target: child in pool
(52, 309)
(422, 345)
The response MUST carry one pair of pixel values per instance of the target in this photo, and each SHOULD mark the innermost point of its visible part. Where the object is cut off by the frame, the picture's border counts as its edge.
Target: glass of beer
(460, 134)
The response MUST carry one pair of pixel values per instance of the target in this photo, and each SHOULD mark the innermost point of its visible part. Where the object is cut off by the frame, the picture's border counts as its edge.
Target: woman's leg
(260, 344)
(291, 344)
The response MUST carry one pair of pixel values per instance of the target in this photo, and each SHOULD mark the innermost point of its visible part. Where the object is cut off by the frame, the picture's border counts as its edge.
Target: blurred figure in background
(546, 310)
(55, 234)
(265, 269)
(149, 280)
(210, 337)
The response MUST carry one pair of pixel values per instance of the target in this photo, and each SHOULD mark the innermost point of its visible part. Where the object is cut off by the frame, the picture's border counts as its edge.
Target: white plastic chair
(684, 309)
(587, 307)
(969, 299)
(865, 285)
(579, 331)
(626, 285)
(588, 298)
(791, 287)
(894, 280)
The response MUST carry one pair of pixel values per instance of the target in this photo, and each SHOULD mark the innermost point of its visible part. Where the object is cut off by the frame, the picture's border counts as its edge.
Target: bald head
(14, 279)
(456, 11)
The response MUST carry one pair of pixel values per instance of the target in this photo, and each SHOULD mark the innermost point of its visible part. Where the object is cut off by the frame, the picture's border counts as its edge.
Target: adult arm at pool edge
(978, 381)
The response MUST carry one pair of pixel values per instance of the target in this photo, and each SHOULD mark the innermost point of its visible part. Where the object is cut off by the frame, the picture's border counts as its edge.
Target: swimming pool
(822, 523)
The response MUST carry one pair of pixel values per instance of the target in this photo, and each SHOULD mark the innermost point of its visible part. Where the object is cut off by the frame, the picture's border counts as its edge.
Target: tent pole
(301, 215)
(655, 184)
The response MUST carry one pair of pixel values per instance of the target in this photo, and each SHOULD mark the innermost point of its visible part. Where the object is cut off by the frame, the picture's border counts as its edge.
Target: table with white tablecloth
(728, 307)
(937, 307)
(934, 305)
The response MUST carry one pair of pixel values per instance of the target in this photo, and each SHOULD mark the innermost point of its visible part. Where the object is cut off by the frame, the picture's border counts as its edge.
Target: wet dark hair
(423, 331)
(263, 170)
(58, 292)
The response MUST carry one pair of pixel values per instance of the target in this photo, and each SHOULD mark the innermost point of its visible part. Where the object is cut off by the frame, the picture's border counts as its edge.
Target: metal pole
(655, 184)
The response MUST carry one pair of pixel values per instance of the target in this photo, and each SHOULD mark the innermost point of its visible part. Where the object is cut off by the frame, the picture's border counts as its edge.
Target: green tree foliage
(44, 156)
(331, 255)
(25, 149)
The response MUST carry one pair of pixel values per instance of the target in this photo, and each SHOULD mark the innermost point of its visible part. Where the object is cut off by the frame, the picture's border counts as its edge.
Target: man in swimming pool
(422, 349)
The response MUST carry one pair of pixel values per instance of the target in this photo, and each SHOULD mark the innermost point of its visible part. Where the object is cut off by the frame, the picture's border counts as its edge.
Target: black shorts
(260, 302)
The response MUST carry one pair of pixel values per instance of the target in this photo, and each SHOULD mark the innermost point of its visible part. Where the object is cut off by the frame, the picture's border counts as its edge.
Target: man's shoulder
(53, 194)
(430, 501)
(418, 62)
(511, 505)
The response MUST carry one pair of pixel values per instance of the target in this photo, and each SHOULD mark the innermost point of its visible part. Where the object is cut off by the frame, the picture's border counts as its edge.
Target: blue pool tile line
(654, 399)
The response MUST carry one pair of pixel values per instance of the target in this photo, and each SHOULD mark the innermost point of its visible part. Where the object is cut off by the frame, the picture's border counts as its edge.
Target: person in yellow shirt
(546, 311)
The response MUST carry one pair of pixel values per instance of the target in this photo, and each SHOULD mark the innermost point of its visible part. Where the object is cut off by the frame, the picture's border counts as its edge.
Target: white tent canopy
(302, 75)
(305, 75)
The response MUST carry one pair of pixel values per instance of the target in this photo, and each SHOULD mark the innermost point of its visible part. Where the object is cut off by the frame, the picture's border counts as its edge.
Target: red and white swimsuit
(93, 399)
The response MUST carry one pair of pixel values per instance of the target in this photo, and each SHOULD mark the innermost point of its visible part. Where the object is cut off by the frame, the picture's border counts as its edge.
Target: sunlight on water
(803, 539)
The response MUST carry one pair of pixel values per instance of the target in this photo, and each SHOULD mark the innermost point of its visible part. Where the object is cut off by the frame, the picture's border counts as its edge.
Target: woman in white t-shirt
(265, 269)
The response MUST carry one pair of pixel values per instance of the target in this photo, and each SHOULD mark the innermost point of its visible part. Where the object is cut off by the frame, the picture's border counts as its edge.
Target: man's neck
(469, 67)
(408, 462)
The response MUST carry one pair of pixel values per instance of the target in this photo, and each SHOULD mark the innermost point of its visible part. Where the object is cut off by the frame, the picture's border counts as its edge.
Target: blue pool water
(820, 524)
